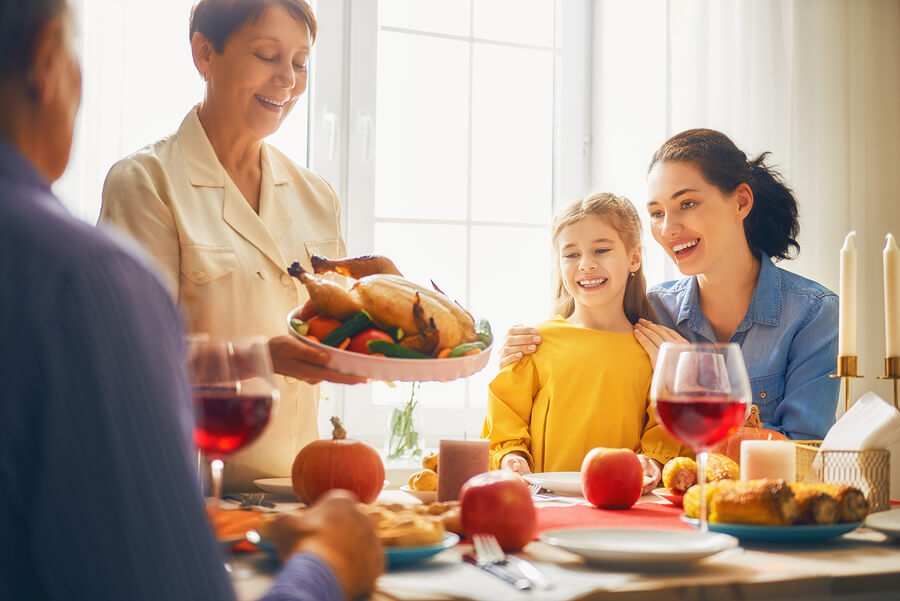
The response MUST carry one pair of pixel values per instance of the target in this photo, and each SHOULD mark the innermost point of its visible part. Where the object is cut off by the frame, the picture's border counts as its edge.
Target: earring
(632, 274)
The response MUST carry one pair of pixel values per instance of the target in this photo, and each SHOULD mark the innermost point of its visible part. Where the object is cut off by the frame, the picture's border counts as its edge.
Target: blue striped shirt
(99, 497)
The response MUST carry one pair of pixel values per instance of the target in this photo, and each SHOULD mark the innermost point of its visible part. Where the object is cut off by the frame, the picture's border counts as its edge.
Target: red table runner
(645, 516)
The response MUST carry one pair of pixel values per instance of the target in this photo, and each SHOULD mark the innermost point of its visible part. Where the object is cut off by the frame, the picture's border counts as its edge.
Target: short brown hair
(217, 20)
(623, 217)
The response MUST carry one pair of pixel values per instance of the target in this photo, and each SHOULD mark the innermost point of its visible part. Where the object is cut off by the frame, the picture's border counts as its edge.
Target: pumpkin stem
(339, 433)
(753, 419)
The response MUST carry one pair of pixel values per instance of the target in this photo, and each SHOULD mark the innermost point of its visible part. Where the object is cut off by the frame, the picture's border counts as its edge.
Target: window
(453, 113)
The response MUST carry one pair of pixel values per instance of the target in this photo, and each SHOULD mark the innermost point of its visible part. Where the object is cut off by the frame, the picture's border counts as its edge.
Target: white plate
(276, 486)
(396, 370)
(646, 549)
(426, 496)
(562, 483)
(281, 486)
(886, 522)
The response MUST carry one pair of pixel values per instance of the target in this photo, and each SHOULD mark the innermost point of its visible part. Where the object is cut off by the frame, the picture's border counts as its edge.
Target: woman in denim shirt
(722, 218)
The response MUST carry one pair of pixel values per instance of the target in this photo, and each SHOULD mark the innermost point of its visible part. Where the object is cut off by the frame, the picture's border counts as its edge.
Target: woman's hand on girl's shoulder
(651, 335)
(519, 341)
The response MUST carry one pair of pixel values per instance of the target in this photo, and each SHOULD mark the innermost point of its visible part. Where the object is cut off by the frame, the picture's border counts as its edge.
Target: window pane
(427, 252)
(512, 134)
(422, 105)
(440, 16)
(511, 276)
(519, 21)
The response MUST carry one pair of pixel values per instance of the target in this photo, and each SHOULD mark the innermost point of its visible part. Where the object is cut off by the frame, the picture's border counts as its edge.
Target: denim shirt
(788, 338)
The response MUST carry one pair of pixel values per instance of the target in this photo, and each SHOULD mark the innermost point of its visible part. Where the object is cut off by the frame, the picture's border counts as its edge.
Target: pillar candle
(458, 461)
(768, 459)
(847, 313)
(891, 297)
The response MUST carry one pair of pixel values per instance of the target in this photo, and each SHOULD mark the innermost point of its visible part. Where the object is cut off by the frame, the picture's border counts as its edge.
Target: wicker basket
(870, 471)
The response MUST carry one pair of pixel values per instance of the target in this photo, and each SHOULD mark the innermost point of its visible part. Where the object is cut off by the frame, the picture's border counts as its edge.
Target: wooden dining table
(862, 565)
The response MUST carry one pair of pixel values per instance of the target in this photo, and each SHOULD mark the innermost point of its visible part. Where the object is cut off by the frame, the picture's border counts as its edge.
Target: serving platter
(798, 534)
(425, 496)
(388, 369)
(666, 495)
(639, 549)
(283, 486)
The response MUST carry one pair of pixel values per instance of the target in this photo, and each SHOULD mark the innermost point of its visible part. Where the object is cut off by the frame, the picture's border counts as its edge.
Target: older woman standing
(223, 213)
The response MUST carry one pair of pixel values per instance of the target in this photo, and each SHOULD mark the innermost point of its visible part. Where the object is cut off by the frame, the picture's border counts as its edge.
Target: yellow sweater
(581, 389)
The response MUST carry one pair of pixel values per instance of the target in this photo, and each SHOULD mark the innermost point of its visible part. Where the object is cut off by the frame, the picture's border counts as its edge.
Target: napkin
(871, 423)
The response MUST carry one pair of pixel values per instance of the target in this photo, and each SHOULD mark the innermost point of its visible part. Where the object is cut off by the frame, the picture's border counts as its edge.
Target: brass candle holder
(847, 366)
(892, 372)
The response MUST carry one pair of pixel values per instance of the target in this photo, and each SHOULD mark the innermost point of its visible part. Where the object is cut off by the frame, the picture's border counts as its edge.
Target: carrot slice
(344, 344)
(444, 352)
(313, 338)
(474, 351)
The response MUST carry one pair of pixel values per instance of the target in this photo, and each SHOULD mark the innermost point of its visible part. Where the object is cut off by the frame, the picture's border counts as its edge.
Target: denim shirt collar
(765, 304)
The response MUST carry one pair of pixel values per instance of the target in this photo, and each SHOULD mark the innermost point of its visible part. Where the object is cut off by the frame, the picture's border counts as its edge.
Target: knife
(492, 568)
(530, 571)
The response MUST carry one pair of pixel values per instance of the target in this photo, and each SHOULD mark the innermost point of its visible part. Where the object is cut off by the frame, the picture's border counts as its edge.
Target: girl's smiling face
(262, 70)
(595, 264)
(693, 220)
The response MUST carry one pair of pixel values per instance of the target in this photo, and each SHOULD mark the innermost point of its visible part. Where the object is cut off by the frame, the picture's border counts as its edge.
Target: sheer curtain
(816, 83)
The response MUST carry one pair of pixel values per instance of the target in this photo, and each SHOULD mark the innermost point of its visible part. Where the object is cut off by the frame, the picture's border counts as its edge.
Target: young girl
(587, 384)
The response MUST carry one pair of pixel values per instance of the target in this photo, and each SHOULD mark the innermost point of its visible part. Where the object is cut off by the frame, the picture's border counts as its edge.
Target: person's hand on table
(516, 462)
(651, 335)
(652, 470)
(335, 530)
(292, 358)
(519, 341)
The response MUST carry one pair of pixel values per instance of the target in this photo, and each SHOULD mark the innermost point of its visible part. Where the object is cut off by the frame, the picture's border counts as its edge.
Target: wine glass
(234, 396)
(701, 395)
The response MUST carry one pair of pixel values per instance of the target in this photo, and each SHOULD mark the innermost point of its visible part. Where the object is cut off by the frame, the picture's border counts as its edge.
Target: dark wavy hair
(772, 224)
(217, 20)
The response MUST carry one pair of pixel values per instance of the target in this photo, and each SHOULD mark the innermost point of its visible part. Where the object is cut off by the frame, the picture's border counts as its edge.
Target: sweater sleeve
(305, 577)
(508, 419)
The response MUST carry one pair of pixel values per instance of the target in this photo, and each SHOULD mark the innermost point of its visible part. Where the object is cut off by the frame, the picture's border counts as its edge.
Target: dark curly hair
(772, 225)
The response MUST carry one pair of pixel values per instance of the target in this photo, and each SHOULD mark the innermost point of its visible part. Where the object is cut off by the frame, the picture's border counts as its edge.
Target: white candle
(847, 314)
(768, 459)
(892, 297)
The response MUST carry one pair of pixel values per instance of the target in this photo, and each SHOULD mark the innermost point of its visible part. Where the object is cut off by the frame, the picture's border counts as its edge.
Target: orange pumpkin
(751, 430)
(337, 463)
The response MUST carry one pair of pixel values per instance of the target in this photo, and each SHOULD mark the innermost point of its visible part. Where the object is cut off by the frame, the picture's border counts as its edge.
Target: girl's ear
(635, 262)
(744, 200)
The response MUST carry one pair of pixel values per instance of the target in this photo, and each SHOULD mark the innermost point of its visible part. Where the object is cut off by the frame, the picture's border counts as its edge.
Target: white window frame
(342, 133)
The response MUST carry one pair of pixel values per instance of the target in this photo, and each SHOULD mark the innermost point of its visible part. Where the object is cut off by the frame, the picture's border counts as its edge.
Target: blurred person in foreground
(222, 213)
(100, 496)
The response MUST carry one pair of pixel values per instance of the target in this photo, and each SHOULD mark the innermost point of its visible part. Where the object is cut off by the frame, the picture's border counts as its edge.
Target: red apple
(612, 478)
(498, 503)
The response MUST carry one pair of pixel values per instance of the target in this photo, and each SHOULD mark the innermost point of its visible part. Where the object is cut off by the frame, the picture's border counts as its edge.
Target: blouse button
(285, 279)
(762, 394)
(263, 275)
(197, 273)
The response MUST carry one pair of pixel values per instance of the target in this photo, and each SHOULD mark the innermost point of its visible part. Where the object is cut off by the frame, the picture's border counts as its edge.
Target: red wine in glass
(701, 420)
(226, 420)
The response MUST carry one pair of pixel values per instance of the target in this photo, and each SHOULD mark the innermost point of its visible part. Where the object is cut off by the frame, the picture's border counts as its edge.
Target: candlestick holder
(847, 366)
(892, 372)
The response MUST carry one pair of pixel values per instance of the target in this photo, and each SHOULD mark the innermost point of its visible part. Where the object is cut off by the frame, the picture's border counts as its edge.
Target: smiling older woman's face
(261, 71)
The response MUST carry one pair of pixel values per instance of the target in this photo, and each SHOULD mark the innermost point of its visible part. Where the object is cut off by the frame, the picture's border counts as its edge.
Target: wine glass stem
(216, 466)
(702, 455)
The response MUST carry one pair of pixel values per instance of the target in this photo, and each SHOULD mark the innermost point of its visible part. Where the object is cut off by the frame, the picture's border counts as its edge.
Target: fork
(490, 557)
(534, 488)
(525, 567)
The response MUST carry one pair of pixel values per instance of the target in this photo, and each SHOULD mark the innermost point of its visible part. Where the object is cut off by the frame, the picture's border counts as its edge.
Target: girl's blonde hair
(623, 217)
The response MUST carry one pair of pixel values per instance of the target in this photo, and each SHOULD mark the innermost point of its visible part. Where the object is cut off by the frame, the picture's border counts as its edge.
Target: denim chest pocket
(767, 393)
(203, 264)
